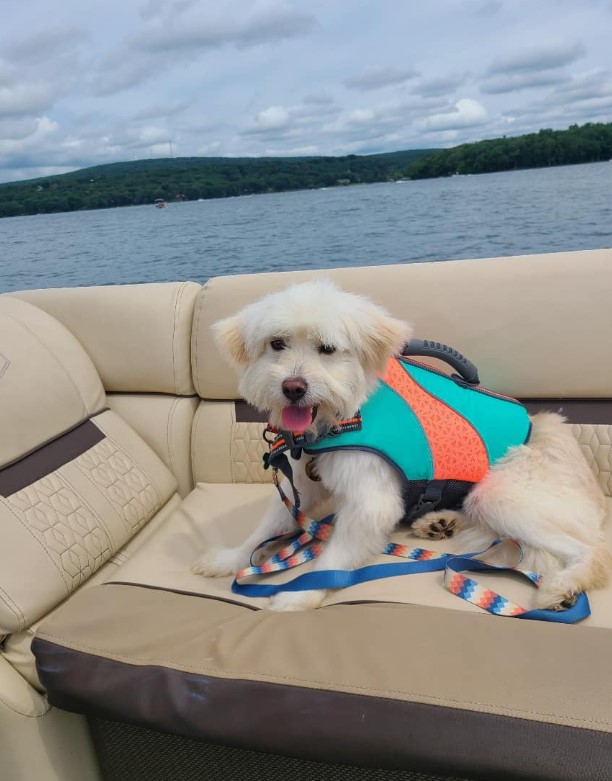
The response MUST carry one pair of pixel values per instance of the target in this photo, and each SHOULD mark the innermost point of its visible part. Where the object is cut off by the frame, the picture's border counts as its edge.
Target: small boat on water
(161, 203)
(126, 450)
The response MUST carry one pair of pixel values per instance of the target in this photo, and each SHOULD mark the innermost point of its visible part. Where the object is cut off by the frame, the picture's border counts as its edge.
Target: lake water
(522, 212)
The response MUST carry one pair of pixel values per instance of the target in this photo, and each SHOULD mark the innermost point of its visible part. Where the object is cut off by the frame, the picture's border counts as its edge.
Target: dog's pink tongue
(296, 418)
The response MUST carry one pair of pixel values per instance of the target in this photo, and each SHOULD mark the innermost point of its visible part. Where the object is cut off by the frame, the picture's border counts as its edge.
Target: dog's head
(310, 355)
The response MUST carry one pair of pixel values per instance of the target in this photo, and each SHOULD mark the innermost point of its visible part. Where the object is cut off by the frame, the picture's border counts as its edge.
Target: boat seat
(77, 485)
(139, 339)
(455, 691)
(396, 674)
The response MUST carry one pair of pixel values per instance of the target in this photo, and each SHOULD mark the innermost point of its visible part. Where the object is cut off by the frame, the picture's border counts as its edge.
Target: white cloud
(28, 137)
(538, 57)
(582, 86)
(378, 78)
(196, 28)
(514, 82)
(166, 110)
(439, 85)
(271, 118)
(42, 47)
(258, 77)
(466, 113)
(25, 99)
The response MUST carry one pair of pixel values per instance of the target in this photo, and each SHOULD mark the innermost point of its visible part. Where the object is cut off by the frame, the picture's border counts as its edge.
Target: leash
(307, 544)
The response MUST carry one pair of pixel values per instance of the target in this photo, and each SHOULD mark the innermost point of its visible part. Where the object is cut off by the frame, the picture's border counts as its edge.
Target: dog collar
(295, 441)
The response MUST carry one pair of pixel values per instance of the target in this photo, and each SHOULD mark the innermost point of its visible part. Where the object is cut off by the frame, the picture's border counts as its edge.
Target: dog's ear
(381, 337)
(230, 339)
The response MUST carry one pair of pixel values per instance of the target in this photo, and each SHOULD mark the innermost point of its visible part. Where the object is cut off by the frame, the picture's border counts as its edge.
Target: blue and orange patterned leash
(307, 544)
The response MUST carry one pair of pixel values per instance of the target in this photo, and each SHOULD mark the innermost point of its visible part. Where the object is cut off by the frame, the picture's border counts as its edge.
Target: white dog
(310, 356)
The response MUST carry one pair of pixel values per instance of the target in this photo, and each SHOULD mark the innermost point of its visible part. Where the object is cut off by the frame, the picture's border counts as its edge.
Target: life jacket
(440, 433)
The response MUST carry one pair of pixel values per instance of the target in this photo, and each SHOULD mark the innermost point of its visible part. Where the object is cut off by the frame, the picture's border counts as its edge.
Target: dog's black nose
(294, 388)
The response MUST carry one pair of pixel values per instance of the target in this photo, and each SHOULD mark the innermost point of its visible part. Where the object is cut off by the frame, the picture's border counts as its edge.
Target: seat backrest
(533, 325)
(76, 482)
(139, 339)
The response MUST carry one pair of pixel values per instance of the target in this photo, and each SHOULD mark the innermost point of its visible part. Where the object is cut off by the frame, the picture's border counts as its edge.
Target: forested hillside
(587, 144)
(190, 178)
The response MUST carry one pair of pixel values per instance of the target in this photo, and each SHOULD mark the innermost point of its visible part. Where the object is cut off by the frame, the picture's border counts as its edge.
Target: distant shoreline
(191, 179)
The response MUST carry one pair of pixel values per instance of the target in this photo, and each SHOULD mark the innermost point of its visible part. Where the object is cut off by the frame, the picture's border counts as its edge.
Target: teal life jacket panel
(439, 433)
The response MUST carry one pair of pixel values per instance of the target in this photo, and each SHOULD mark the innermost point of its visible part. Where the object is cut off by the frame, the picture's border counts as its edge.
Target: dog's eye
(278, 344)
(327, 349)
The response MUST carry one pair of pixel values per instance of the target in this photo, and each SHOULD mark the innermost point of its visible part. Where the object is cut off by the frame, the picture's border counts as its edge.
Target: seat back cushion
(165, 423)
(138, 336)
(511, 316)
(227, 444)
(76, 483)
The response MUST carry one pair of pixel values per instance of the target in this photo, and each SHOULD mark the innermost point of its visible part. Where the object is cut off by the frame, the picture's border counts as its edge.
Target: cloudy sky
(83, 83)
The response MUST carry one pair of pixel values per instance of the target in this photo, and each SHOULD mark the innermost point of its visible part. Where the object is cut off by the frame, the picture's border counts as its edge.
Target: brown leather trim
(322, 725)
(590, 411)
(49, 457)
(245, 413)
(180, 591)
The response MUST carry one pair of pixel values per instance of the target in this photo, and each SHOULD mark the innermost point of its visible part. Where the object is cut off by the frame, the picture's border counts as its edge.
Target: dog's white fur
(542, 494)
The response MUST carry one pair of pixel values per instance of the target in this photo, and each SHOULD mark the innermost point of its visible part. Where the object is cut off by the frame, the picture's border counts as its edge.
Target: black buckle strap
(431, 497)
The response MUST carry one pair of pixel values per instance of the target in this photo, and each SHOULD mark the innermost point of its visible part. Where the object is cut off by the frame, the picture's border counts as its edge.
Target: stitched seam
(14, 608)
(130, 457)
(190, 478)
(203, 293)
(232, 440)
(240, 674)
(196, 423)
(95, 514)
(41, 543)
(55, 358)
(169, 423)
(118, 510)
(176, 299)
(21, 713)
(177, 304)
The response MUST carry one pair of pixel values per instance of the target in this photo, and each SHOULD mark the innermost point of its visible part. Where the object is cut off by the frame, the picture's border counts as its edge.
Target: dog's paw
(296, 600)
(217, 563)
(438, 525)
(552, 598)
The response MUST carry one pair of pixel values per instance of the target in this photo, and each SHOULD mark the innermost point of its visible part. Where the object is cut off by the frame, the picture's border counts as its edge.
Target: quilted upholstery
(248, 448)
(124, 483)
(596, 444)
(76, 541)
(76, 483)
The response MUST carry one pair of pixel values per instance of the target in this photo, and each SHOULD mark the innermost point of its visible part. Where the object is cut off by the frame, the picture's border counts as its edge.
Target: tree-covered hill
(190, 178)
(586, 144)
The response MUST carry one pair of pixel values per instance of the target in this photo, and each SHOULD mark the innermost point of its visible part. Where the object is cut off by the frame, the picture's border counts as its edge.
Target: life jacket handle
(454, 358)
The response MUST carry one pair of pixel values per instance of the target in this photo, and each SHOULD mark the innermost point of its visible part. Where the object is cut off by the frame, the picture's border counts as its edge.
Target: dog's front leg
(217, 562)
(369, 503)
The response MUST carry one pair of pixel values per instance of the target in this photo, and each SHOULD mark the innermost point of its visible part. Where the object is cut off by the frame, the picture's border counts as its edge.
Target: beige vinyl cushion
(499, 666)
(39, 743)
(57, 531)
(216, 515)
(16, 649)
(47, 382)
(138, 336)
(227, 450)
(513, 317)
(165, 423)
